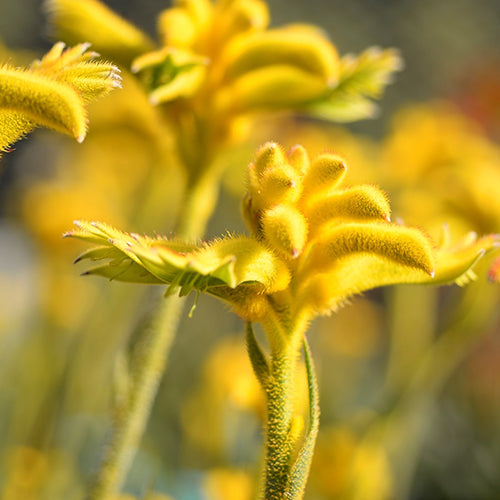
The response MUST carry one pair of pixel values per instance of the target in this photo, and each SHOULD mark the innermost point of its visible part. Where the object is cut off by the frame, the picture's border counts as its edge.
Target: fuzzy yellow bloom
(312, 245)
(223, 56)
(53, 92)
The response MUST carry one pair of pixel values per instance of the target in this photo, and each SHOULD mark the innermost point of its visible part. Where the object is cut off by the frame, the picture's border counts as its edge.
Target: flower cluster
(223, 55)
(314, 244)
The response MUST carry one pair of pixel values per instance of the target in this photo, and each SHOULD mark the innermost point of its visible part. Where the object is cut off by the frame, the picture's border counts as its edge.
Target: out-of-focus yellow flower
(227, 382)
(227, 484)
(440, 166)
(364, 323)
(26, 471)
(219, 60)
(53, 92)
(93, 21)
(348, 468)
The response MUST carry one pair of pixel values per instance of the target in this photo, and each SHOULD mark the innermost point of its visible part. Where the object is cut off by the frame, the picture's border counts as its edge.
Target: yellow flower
(314, 243)
(455, 161)
(347, 466)
(53, 92)
(227, 484)
(27, 470)
(222, 55)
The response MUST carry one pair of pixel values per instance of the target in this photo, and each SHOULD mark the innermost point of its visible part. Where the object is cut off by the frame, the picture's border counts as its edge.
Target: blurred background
(409, 377)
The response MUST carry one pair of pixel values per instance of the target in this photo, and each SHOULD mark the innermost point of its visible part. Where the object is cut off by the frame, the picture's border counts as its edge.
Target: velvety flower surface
(53, 92)
(313, 244)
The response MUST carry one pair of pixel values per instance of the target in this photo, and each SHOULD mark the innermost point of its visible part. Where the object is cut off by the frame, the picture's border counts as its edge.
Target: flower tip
(295, 253)
(80, 138)
(432, 273)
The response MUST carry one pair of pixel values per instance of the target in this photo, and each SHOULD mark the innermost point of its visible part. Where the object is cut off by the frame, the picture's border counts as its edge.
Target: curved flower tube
(53, 92)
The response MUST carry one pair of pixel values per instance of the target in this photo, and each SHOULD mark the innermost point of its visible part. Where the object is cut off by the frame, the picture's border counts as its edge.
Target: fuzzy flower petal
(53, 93)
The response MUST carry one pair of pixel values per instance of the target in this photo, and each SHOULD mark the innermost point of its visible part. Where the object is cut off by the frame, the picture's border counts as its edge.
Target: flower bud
(285, 229)
(326, 171)
(278, 184)
(268, 155)
(43, 101)
(299, 159)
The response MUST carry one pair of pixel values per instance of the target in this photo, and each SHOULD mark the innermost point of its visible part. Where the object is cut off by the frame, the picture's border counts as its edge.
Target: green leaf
(170, 73)
(215, 267)
(361, 79)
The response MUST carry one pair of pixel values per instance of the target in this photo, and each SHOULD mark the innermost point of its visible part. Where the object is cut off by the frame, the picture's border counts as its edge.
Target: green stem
(151, 358)
(286, 478)
(198, 206)
(131, 421)
(279, 446)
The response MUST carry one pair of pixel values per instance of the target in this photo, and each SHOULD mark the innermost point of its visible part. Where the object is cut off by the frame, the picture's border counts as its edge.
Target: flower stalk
(286, 464)
(313, 244)
(128, 427)
(279, 445)
(150, 361)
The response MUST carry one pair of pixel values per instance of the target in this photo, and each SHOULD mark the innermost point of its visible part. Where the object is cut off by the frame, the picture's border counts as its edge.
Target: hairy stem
(279, 446)
(130, 423)
(151, 359)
